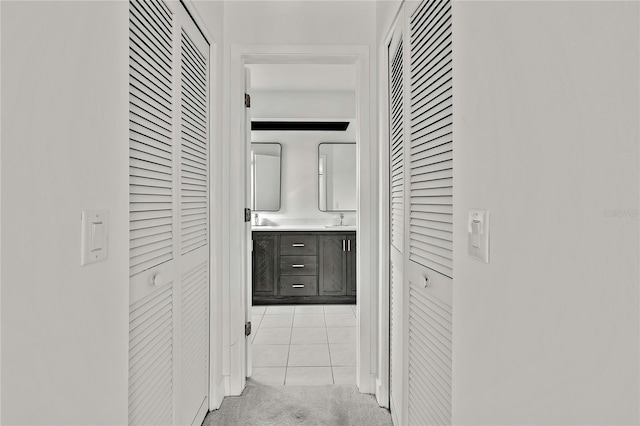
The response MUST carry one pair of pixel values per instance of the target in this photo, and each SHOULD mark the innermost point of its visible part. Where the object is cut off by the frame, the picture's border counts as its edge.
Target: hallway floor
(304, 344)
(328, 405)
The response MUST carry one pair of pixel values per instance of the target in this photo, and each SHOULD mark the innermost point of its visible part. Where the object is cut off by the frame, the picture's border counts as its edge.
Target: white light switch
(478, 234)
(97, 236)
(95, 228)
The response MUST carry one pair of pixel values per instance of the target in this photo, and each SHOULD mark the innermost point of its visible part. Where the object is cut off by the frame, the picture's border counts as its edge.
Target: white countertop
(303, 228)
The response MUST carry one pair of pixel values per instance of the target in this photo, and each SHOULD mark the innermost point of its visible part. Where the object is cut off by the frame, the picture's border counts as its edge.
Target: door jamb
(367, 270)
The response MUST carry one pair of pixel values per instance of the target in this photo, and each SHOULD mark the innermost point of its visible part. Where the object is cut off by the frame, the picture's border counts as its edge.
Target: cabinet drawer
(298, 265)
(297, 244)
(298, 286)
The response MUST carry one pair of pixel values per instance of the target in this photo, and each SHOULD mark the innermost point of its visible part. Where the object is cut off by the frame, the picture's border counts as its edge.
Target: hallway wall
(64, 149)
(546, 137)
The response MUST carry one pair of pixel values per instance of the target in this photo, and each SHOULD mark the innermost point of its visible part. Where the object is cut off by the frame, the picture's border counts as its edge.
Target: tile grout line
(326, 332)
(294, 314)
(286, 367)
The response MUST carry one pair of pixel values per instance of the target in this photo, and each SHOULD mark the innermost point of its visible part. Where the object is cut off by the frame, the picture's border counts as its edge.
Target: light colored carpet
(335, 405)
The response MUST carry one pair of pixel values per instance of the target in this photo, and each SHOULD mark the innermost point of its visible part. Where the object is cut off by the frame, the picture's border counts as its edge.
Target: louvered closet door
(396, 79)
(194, 224)
(152, 207)
(429, 185)
(168, 317)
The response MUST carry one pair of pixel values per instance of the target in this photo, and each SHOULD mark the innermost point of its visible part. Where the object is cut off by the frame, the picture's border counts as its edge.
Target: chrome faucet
(341, 218)
(256, 220)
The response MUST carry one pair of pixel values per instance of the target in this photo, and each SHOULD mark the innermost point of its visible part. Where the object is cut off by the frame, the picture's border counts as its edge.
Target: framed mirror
(337, 177)
(265, 176)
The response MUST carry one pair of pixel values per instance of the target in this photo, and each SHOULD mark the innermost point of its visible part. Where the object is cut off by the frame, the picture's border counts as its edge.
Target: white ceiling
(299, 77)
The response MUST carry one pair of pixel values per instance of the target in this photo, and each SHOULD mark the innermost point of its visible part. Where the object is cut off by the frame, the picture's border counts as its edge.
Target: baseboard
(227, 385)
(382, 394)
(394, 412)
(217, 395)
(367, 384)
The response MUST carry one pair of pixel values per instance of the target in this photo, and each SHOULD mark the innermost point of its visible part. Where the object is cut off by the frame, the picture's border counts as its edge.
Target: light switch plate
(478, 234)
(94, 240)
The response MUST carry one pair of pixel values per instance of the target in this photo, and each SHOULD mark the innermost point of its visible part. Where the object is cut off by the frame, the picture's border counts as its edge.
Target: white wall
(299, 157)
(386, 12)
(546, 138)
(300, 22)
(303, 104)
(64, 149)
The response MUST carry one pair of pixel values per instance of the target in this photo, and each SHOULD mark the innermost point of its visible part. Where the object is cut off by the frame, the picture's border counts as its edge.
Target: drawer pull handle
(298, 245)
(298, 286)
(297, 266)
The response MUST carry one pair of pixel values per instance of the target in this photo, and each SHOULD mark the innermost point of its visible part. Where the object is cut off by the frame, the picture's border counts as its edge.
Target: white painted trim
(197, 19)
(1, 220)
(216, 382)
(394, 410)
(238, 56)
(383, 391)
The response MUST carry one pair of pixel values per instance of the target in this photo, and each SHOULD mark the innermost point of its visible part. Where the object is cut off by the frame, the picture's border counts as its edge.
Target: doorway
(239, 271)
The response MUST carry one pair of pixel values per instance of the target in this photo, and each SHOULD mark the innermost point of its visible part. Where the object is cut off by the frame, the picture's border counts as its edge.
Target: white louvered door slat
(429, 205)
(151, 358)
(431, 135)
(151, 135)
(151, 206)
(168, 204)
(195, 339)
(194, 157)
(397, 146)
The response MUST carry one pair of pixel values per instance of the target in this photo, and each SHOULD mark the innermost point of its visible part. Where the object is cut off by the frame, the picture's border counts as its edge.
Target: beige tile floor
(304, 344)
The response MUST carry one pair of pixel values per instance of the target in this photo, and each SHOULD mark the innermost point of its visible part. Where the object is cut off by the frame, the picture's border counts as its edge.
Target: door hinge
(247, 100)
(247, 328)
(247, 215)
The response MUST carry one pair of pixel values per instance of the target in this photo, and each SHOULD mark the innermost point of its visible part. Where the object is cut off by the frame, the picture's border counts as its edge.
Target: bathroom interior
(304, 224)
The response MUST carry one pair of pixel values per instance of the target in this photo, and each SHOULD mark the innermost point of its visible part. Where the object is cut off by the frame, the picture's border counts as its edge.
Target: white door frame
(385, 215)
(367, 255)
(384, 223)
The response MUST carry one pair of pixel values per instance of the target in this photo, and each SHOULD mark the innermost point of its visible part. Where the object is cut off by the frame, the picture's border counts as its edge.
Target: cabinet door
(333, 265)
(351, 264)
(265, 265)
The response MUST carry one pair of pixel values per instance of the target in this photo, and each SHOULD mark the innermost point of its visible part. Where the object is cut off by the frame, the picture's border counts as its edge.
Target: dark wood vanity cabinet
(304, 267)
(337, 276)
(265, 265)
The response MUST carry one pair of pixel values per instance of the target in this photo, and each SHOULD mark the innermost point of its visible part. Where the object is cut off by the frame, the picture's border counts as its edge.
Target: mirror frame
(318, 174)
(280, 179)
